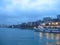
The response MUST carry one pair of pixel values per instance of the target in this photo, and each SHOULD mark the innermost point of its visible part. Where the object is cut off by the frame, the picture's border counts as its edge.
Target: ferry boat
(47, 30)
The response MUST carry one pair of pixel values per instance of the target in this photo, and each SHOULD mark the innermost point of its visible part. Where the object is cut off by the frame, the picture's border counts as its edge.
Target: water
(47, 38)
(27, 37)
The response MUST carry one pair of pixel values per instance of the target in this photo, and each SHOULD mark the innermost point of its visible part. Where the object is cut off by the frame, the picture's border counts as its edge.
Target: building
(47, 19)
(58, 16)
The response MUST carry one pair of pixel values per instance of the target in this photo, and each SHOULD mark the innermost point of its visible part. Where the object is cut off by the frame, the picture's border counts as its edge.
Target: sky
(19, 11)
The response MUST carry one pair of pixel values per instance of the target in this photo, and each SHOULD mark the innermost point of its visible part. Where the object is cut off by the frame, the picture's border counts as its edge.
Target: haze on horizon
(18, 11)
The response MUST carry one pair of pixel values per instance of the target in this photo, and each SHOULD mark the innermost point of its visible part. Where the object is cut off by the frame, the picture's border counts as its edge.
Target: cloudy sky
(18, 11)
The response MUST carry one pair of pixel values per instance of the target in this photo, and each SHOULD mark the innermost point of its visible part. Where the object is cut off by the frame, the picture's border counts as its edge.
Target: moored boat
(47, 30)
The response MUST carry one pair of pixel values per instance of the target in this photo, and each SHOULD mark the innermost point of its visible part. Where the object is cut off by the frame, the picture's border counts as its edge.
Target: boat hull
(47, 31)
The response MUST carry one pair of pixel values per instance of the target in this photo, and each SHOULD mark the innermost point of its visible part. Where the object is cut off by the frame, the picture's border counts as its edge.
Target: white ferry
(48, 30)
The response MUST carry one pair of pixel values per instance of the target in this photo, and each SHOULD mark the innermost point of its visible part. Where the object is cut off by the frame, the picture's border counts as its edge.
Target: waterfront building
(39, 22)
(56, 20)
(47, 19)
(58, 16)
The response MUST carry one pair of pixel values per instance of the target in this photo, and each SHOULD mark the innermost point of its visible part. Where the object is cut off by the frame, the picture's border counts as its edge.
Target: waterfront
(10, 36)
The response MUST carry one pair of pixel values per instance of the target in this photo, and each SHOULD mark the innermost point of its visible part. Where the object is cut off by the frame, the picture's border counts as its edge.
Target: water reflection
(47, 38)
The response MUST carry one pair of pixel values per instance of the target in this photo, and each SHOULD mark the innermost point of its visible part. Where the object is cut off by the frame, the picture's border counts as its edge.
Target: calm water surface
(27, 37)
